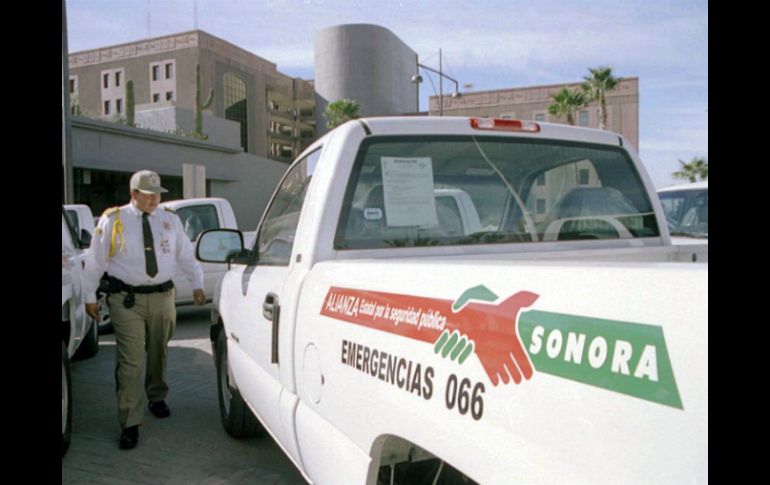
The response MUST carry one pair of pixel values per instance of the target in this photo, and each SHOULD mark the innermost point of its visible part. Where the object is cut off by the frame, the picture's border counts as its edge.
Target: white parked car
(79, 334)
(687, 209)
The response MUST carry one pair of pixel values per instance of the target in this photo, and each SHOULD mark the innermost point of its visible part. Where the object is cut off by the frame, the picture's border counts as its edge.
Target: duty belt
(115, 286)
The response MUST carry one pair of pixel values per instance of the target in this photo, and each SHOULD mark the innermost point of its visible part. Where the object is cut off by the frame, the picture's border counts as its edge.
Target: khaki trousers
(142, 329)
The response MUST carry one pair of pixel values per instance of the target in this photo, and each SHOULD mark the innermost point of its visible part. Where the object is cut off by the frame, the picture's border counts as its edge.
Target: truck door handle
(269, 305)
(272, 311)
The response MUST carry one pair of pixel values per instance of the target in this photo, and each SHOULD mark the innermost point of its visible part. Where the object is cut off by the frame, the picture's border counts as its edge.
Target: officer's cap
(147, 182)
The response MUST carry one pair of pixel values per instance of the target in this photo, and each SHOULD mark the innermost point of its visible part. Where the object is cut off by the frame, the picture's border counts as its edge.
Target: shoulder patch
(169, 209)
(110, 211)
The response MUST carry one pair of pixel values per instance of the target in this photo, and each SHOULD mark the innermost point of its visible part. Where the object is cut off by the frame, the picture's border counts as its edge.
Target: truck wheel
(66, 400)
(89, 346)
(237, 418)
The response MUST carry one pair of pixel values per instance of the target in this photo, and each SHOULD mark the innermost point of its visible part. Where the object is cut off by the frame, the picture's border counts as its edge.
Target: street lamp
(417, 79)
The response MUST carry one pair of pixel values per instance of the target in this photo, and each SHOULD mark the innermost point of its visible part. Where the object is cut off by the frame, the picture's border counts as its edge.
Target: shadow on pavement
(188, 447)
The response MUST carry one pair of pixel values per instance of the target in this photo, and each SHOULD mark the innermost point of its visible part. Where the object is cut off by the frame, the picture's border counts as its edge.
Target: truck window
(73, 215)
(687, 211)
(198, 218)
(275, 238)
(396, 196)
(69, 238)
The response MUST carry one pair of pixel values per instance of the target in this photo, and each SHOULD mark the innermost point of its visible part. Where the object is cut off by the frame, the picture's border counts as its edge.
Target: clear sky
(491, 44)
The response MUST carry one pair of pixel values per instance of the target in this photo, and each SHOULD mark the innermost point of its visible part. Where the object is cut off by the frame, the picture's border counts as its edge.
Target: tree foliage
(695, 169)
(566, 102)
(596, 86)
(340, 111)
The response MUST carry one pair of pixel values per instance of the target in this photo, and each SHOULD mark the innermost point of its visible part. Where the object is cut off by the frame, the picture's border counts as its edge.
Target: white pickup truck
(377, 343)
(198, 215)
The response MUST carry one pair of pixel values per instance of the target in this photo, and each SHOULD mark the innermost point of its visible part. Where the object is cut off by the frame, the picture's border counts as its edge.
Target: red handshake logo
(492, 327)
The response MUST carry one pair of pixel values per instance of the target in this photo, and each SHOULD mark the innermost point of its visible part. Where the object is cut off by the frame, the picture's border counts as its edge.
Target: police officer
(141, 249)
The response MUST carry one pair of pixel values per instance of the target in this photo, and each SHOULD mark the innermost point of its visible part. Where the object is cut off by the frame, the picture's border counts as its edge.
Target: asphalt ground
(190, 446)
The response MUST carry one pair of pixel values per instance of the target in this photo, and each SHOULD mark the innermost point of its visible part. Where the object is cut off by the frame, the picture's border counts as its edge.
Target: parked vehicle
(82, 220)
(198, 215)
(375, 341)
(79, 335)
(687, 209)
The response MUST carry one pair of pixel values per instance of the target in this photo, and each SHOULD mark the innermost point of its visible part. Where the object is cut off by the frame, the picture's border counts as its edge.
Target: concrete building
(275, 113)
(531, 103)
(367, 63)
(106, 154)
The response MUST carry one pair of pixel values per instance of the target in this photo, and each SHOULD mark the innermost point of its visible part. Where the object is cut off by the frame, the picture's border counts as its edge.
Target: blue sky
(492, 44)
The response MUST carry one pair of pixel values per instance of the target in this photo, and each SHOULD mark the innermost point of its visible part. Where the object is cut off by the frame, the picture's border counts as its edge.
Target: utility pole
(417, 79)
(68, 195)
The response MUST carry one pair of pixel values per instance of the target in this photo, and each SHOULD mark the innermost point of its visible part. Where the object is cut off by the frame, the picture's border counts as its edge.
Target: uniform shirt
(173, 251)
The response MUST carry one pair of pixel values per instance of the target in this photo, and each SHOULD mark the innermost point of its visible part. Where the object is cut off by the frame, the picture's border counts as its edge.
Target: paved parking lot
(188, 447)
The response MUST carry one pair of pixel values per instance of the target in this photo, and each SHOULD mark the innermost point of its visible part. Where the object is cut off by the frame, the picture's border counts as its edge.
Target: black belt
(115, 286)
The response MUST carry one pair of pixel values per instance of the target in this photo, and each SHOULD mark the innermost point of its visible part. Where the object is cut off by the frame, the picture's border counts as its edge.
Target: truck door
(257, 326)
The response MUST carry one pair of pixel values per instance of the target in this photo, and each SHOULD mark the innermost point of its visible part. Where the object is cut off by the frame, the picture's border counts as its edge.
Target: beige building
(254, 106)
(531, 103)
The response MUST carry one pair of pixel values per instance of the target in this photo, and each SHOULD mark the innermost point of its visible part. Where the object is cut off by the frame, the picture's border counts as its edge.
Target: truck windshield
(687, 211)
(451, 190)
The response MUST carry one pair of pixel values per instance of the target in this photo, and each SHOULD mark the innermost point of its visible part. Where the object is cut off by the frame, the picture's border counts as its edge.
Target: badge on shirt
(165, 245)
(167, 226)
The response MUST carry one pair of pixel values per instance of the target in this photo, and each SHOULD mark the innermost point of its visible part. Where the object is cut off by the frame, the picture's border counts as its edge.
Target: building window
(541, 179)
(119, 106)
(155, 72)
(583, 117)
(235, 105)
(107, 107)
(539, 116)
(117, 79)
(72, 86)
(106, 81)
(156, 98)
(583, 176)
(169, 95)
(541, 206)
(169, 71)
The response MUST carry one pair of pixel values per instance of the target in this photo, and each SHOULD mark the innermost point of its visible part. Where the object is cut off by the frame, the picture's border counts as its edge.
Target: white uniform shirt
(173, 251)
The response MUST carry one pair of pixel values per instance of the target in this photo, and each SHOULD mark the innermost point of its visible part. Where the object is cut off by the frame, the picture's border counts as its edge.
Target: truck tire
(237, 418)
(89, 346)
(66, 400)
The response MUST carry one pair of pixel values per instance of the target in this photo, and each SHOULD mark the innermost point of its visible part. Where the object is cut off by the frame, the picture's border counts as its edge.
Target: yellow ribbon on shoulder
(117, 231)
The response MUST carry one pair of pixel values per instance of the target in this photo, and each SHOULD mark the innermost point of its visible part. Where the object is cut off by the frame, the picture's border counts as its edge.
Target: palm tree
(566, 102)
(697, 168)
(341, 111)
(596, 86)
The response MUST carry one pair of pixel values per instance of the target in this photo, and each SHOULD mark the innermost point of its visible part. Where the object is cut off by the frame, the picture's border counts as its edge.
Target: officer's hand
(199, 296)
(93, 310)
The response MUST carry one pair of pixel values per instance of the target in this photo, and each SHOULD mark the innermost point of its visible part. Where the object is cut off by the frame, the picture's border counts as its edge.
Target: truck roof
(461, 125)
(184, 202)
(689, 186)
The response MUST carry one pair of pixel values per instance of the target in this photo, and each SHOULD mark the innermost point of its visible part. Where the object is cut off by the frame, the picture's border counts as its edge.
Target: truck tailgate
(545, 371)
